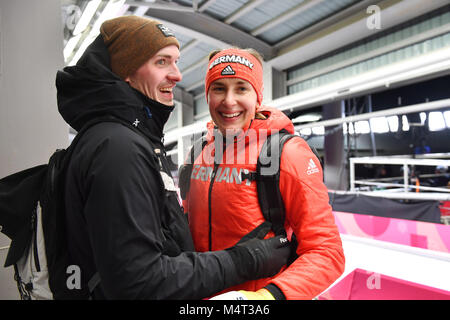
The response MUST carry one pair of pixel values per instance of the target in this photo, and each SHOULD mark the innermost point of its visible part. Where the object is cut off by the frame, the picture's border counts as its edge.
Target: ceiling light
(86, 17)
(110, 11)
(70, 45)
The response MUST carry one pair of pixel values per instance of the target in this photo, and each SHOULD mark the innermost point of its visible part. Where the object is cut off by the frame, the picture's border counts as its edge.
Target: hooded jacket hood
(90, 89)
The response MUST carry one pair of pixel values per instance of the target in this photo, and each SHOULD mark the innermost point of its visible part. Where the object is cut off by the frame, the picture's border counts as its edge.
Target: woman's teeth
(166, 89)
(230, 115)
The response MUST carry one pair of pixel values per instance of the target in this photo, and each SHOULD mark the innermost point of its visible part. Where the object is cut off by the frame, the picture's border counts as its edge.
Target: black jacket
(123, 217)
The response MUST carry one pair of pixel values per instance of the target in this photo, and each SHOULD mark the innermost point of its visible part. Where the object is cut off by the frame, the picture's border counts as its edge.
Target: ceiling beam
(252, 4)
(327, 22)
(198, 36)
(189, 46)
(335, 34)
(302, 7)
(195, 85)
(203, 62)
(212, 28)
(159, 5)
(195, 4)
(206, 5)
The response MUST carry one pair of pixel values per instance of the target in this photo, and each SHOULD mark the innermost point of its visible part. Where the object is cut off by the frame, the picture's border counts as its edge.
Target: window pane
(379, 125)
(305, 131)
(393, 123)
(436, 121)
(447, 118)
(318, 130)
(362, 127)
(423, 117)
(405, 123)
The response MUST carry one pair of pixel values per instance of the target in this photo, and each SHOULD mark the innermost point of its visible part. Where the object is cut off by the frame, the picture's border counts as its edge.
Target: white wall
(31, 51)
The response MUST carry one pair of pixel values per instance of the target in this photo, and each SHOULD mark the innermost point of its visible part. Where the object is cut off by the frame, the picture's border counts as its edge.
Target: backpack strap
(185, 171)
(93, 283)
(268, 180)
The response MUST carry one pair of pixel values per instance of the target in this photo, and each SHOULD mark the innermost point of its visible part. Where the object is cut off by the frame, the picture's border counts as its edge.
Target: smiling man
(126, 230)
(157, 77)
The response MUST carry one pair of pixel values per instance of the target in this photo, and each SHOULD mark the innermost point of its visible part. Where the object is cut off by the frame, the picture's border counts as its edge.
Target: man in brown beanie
(133, 43)
(126, 230)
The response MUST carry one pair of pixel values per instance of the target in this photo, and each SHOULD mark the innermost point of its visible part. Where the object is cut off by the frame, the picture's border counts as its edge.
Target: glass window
(436, 121)
(423, 117)
(362, 127)
(379, 125)
(405, 123)
(319, 130)
(447, 118)
(393, 123)
(305, 131)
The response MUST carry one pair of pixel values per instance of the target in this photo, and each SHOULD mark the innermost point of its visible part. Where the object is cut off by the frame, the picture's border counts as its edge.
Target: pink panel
(407, 232)
(365, 285)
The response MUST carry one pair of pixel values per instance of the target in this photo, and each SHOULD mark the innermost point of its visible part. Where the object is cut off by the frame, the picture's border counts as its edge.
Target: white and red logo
(312, 168)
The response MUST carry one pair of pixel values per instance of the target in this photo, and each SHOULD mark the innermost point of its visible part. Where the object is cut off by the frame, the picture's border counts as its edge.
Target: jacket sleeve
(308, 213)
(122, 211)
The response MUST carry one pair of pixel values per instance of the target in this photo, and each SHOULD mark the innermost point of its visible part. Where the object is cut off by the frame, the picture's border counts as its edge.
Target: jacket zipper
(213, 176)
(35, 245)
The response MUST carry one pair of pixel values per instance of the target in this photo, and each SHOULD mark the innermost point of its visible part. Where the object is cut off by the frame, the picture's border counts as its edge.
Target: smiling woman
(222, 209)
(234, 88)
(232, 104)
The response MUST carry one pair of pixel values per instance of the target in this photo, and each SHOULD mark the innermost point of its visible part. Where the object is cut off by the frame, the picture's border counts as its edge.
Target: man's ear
(127, 79)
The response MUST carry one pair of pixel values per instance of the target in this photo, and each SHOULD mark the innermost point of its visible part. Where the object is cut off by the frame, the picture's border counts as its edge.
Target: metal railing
(402, 190)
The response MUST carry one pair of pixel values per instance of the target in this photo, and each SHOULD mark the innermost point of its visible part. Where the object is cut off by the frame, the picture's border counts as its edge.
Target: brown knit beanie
(132, 40)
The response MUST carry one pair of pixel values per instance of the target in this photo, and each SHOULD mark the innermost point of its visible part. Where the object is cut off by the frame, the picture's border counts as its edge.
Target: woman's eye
(161, 62)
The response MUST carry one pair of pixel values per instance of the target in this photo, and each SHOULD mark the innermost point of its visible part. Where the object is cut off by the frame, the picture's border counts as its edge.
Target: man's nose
(175, 74)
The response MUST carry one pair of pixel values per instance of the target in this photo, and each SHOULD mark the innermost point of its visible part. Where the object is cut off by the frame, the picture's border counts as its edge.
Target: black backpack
(267, 181)
(32, 215)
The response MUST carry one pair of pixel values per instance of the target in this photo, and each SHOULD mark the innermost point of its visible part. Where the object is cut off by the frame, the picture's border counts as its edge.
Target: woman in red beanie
(239, 127)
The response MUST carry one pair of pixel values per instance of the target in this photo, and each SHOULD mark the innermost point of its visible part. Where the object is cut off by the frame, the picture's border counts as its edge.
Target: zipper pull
(33, 218)
(158, 153)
